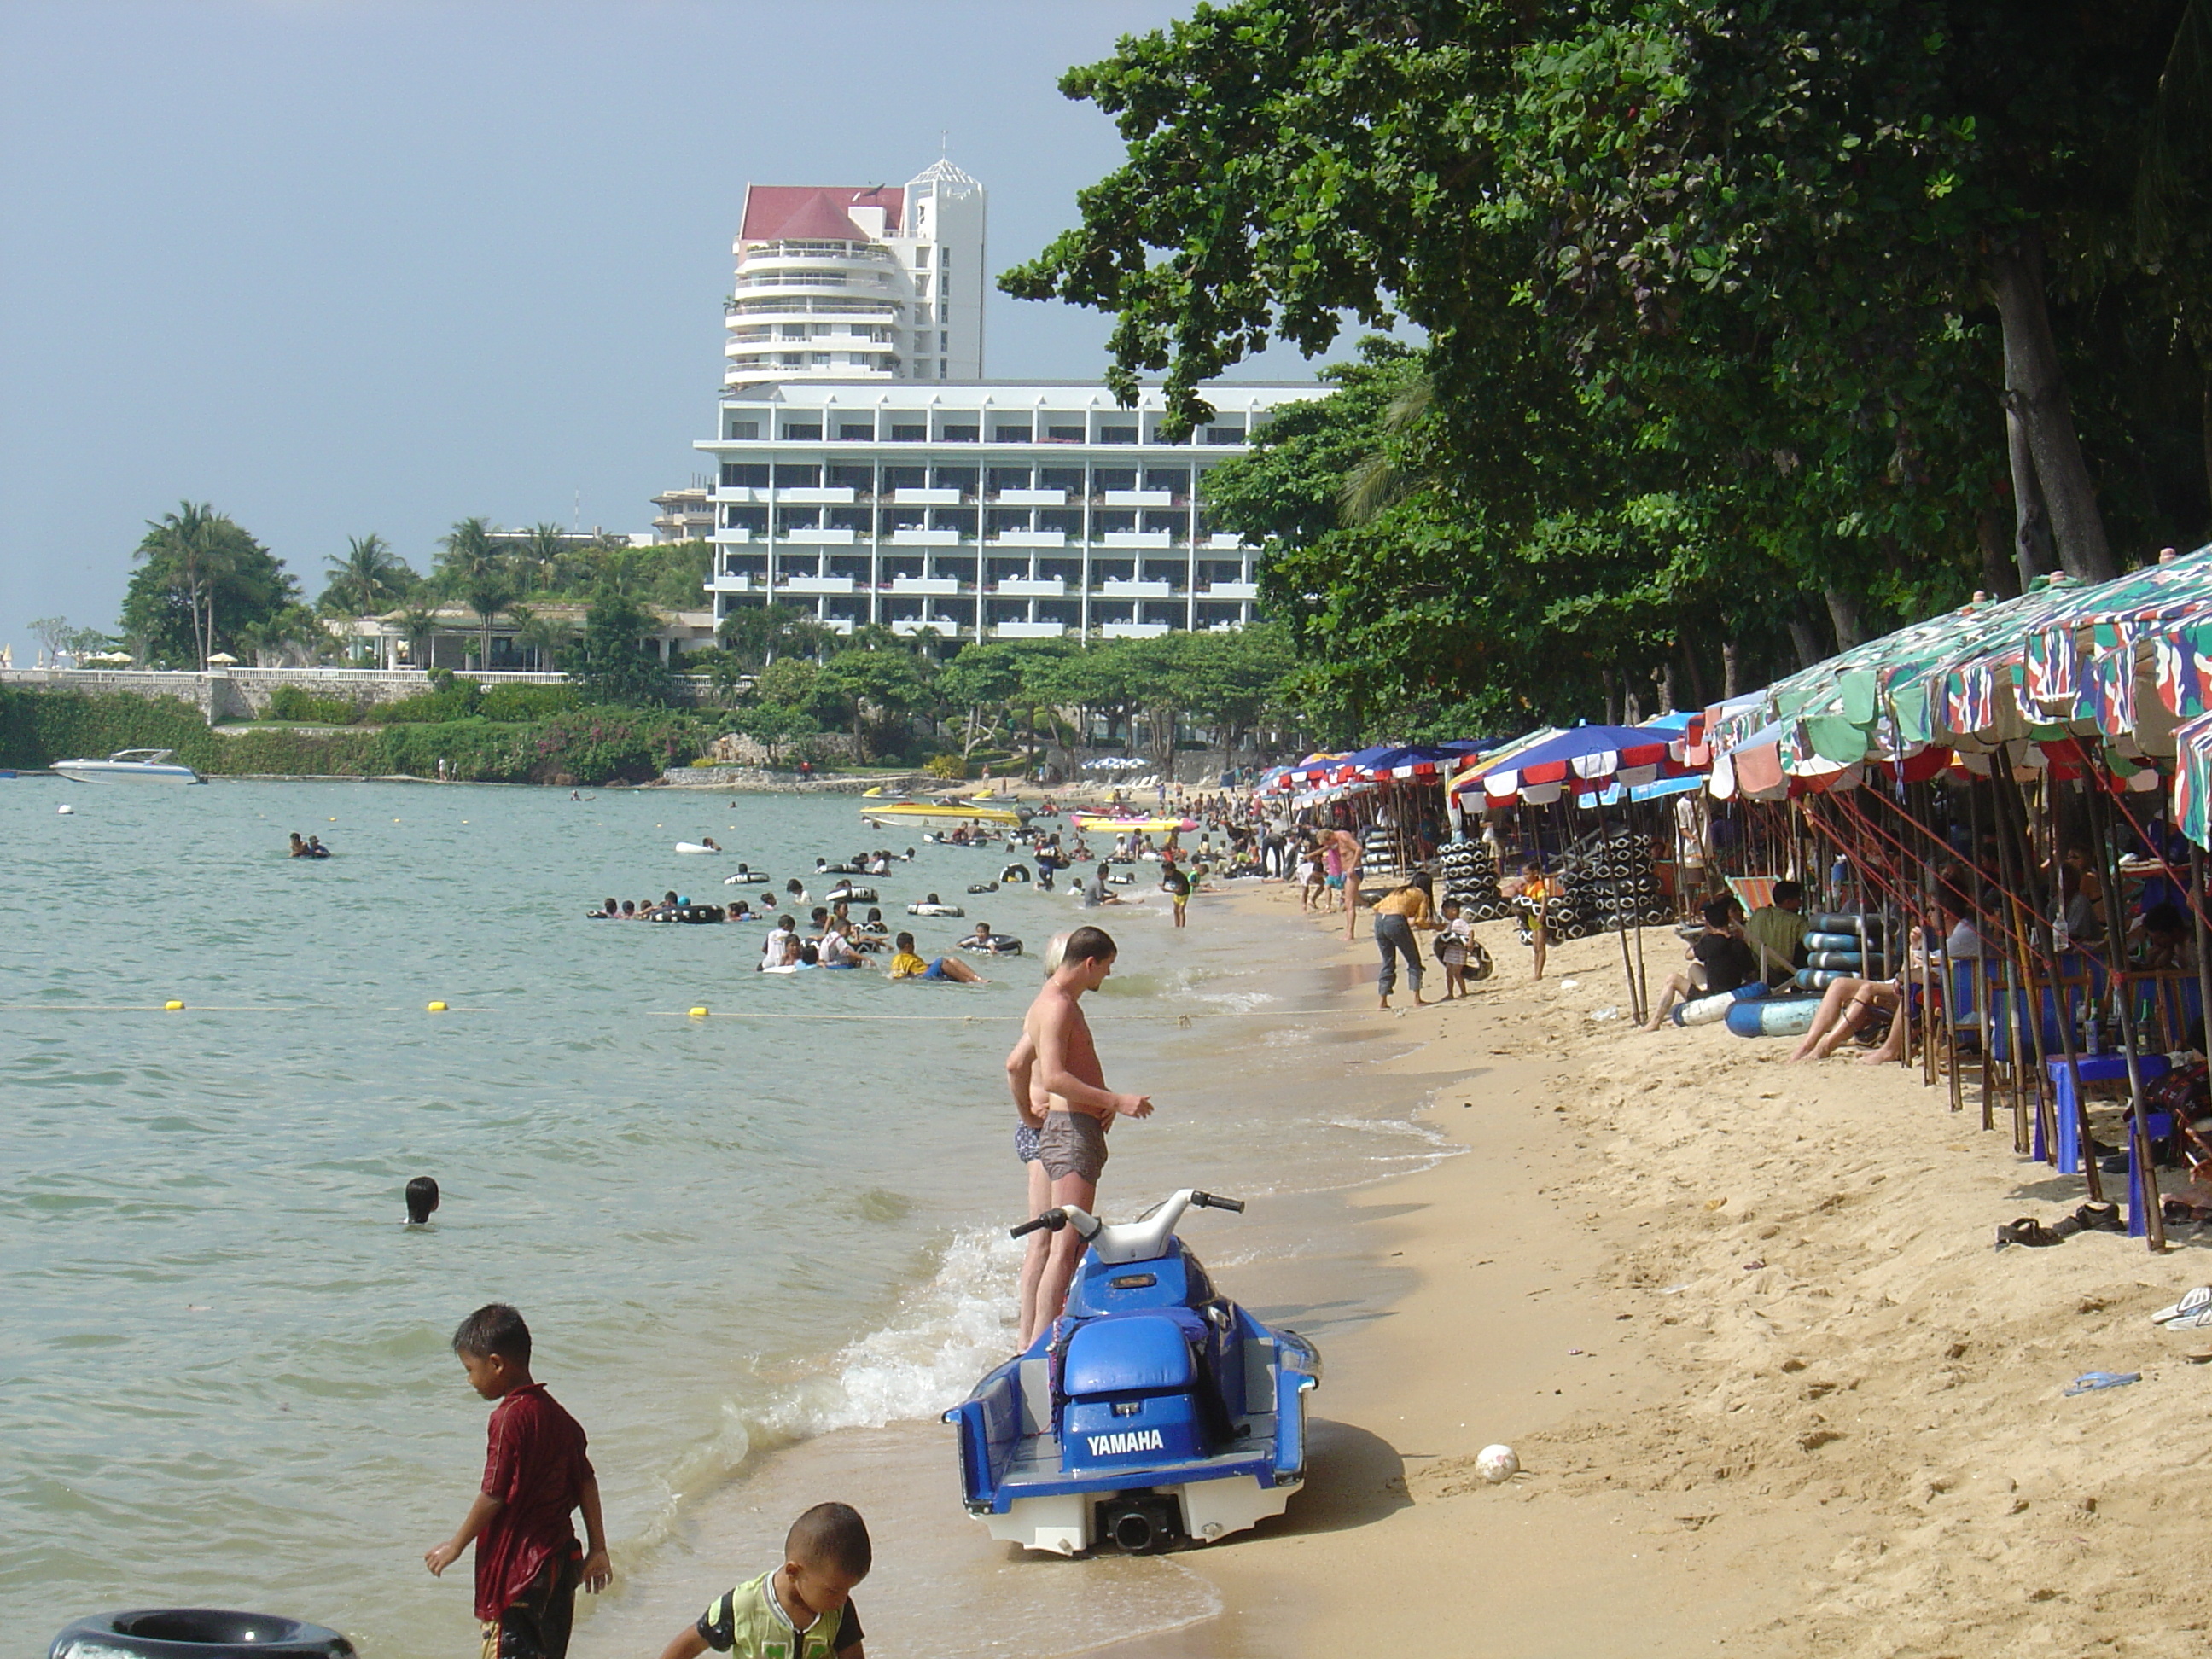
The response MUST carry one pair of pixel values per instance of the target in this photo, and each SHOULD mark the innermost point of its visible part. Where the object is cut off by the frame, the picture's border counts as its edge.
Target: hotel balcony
(926, 497)
(1029, 630)
(819, 538)
(925, 583)
(756, 496)
(814, 585)
(1114, 589)
(738, 582)
(1132, 631)
(1031, 498)
(946, 625)
(1027, 539)
(797, 495)
(925, 539)
(731, 535)
(1230, 590)
(1139, 498)
(1137, 539)
(1032, 587)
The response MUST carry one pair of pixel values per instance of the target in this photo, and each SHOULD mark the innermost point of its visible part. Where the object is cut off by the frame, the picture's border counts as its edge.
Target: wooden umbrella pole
(2095, 1177)
(2116, 940)
(1981, 963)
(2204, 939)
(2030, 944)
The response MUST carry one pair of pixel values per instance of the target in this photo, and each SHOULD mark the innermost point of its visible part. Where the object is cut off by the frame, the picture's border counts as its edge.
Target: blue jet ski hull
(1156, 1413)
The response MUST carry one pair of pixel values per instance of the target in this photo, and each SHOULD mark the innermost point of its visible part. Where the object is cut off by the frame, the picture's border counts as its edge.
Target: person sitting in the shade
(1776, 932)
(1722, 960)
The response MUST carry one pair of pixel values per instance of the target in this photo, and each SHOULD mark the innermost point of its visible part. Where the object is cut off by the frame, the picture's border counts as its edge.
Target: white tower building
(874, 283)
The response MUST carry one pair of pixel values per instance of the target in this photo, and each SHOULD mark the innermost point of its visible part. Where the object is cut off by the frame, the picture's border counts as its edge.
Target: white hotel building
(865, 472)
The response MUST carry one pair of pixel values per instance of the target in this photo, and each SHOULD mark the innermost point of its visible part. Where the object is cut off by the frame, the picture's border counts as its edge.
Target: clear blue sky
(347, 266)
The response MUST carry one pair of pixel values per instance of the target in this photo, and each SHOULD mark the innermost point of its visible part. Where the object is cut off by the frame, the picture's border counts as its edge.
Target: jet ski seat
(1135, 1353)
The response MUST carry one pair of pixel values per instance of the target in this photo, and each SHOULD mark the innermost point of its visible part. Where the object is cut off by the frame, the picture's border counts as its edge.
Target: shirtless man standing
(1030, 1104)
(1350, 852)
(1071, 1145)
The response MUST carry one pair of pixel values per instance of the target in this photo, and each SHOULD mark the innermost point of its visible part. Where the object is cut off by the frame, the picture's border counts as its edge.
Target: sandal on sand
(2197, 1319)
(2100, 1218)
(2028, 1230)
(2195, 1301)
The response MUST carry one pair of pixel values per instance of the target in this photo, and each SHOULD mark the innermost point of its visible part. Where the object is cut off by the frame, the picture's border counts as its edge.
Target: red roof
(813, 213)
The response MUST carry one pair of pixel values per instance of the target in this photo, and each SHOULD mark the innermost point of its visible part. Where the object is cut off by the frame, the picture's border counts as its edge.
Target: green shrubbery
(292, 702)
(529, 702)
(589, 746)
(455, 700)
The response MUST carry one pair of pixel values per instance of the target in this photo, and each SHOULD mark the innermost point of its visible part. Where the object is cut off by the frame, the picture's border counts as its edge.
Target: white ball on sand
(1497, 1463)
(64, 810)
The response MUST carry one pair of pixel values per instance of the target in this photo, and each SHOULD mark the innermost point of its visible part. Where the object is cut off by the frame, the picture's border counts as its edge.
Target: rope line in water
(1098, 1015)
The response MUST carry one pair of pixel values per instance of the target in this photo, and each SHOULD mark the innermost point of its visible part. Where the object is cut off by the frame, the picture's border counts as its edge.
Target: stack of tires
(1842, 945)
(1469, 869)
(1619, 886)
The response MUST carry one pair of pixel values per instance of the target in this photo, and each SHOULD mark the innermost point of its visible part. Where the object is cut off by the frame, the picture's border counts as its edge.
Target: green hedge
(585, 745)
(529, 702)
(292, 702)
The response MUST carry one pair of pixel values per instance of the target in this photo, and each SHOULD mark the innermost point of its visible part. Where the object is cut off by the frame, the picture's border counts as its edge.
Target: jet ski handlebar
(1127, 1240)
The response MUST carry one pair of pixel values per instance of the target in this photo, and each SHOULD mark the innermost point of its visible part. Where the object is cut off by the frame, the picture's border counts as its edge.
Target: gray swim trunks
(1025, 1143)
(1072, 1143)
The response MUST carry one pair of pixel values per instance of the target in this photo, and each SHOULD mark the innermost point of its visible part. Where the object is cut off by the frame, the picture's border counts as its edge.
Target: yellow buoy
(166, 1007)
(699, 1012)
(437, 1008)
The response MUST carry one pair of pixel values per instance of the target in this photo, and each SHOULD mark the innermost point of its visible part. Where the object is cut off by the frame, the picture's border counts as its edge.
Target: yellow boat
(1101, 822)
(947, 813)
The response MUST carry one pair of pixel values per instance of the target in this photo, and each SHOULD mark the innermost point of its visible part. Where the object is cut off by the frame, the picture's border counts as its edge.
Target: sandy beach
(1771, 1387)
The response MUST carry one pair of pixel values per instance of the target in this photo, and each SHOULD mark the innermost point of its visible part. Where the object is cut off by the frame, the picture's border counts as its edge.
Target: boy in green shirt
(803, 1609)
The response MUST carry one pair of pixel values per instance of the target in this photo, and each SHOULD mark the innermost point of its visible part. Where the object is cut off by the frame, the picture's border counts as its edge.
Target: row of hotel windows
(861, 568)
(957, 615)
(962, 520)
(869, 479)
(954, 430)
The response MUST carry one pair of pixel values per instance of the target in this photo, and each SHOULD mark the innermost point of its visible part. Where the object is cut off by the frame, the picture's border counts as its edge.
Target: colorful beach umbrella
(1583, 758)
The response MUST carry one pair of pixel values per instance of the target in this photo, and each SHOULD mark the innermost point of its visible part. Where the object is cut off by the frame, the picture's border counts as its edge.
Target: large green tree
(200, 580)
(1749, 326)
(476, 566)
(368, 576)
(613, 662)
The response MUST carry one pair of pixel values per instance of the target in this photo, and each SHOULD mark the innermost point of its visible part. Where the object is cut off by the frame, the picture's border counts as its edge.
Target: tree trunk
(2031, 519)
(1999, 578)
(1843, 617)
(1697, 679)
(1612, 703)
(2205, 422)
(1731, 668)
(1804, 637)
(2035, 391)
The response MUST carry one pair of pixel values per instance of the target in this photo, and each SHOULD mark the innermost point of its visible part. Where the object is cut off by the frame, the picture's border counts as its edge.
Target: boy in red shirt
(528, 1564)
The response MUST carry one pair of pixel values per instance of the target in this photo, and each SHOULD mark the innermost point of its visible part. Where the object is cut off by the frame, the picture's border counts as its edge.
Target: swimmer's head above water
(422, 1199)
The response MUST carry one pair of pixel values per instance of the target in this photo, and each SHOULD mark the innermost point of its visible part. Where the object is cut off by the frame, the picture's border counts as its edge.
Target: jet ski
(1155, 1413)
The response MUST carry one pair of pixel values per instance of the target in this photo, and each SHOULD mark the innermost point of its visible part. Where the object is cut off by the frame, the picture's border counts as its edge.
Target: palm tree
(545, 546)
(366, 576)
(477, 569)
(191, 542)
(546, 635)
(419, 627)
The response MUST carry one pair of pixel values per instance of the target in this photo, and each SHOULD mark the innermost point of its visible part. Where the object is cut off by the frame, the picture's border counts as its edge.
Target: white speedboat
(131, 766)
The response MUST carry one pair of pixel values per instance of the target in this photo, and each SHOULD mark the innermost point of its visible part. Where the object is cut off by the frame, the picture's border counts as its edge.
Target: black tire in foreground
(197, 1633)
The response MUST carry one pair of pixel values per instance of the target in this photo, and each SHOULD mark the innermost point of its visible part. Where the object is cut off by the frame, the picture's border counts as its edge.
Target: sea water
(227, 1376)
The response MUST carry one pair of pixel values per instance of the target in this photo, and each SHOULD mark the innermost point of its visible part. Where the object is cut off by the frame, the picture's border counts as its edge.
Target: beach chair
(1752, 892)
